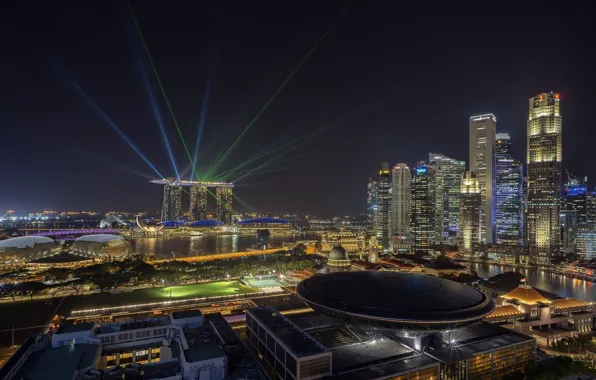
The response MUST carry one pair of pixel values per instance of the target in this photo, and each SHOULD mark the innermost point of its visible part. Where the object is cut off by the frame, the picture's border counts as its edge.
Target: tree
(31, 288)
(11, 290)
(54, 290)
(77, 286)
(298, 250)
(318, 246)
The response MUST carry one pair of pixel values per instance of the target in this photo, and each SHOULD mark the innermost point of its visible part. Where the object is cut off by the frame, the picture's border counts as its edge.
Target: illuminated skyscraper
(400, 200)
(482, 161)
(422, 207)
(372, 203)
(469, 214)
(223, 199)
(448, 186)
(198, 203)
(172, 202)
(509, 210)
(384, 200)
(575, 197)
(544, 156)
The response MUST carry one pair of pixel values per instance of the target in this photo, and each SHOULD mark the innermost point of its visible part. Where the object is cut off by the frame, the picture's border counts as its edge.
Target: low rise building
(178, 347)
(527, 311)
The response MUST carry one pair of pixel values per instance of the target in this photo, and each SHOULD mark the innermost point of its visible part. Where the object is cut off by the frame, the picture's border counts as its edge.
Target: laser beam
(204, 105)
(157, 113)
(270, 100)
(114, 126)
(300, 138)
(161, 87)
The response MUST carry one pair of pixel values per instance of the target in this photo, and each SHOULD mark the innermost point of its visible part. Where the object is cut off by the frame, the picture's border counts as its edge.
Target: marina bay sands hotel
(172, 199)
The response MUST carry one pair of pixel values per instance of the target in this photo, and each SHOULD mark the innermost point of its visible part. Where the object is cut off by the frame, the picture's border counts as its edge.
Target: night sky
(422, 70)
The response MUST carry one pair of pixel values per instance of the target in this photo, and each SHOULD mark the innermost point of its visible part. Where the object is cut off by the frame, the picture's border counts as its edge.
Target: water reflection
(203, 245)
(551, 282)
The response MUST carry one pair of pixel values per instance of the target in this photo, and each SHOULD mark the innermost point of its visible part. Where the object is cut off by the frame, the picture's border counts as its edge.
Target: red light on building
(541, 96)
(557, 96)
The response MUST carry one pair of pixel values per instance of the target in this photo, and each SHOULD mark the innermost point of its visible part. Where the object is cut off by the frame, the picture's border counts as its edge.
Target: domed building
(103, 245)
(27, 247)
(338, 260)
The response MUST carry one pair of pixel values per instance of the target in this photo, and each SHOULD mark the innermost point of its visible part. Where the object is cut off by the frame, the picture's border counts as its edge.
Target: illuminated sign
(421, 170)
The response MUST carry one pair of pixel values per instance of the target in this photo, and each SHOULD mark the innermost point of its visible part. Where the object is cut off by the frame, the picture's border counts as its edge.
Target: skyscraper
(384, 200)
(482, 161)
(372, 203)
(470, 211)
(198, 203)
(544, 156)
(223, 210)
(509, 211)
(422, 207)
(449, 176)
(575, 197)
(172, 202)
(400, 200)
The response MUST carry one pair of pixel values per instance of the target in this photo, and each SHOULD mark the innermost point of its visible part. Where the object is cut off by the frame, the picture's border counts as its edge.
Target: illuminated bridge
(71, 232)
(172, 199)
(221, 256)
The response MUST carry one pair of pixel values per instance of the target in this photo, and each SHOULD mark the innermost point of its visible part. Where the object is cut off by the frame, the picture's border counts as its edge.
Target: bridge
(69, 232)
(221, 256)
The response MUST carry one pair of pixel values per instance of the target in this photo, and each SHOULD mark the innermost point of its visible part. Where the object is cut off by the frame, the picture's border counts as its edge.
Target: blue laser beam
(114, 126)
(156, 111)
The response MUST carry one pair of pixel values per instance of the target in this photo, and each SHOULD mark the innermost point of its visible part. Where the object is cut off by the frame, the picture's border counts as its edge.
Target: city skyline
(93, 156)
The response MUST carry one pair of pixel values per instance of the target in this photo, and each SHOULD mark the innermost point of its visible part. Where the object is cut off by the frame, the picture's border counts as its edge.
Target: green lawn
(100, 300)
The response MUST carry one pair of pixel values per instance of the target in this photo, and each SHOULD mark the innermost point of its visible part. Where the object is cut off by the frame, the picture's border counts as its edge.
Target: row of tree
(134, 272)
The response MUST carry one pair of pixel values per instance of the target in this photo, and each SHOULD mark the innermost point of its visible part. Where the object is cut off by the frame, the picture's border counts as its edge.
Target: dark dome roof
(395, 301)
(338, 253)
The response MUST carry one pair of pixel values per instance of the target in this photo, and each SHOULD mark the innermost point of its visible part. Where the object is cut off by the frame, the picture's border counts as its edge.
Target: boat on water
(196, 233)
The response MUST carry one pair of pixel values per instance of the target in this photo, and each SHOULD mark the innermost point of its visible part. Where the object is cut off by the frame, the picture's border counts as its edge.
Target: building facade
(544, 157)
(223, 210)
(482, 161)
(422, 208)
(509, 211)
(449, 177)
(384, 200)
(198, 203)
(585, 240)
(400, 200)
(372, 203)
(172, 203)
(469, 217)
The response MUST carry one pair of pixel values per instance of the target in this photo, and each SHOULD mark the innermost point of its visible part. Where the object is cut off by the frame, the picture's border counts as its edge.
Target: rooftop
(203, 352)
(186, 314)
(425, 302)
(504, 311)
(569, 303)
(60, 363)
(298, 341)
(68, 328)
(473, 340)
(527, 295)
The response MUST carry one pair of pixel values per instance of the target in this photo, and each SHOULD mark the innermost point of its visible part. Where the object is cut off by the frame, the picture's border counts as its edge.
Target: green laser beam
(288, 78)
(300, 138)
(244, 204)
(161, 87)
(274, 163)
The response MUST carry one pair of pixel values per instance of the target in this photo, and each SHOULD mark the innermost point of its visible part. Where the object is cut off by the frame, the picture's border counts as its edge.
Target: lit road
(221, 256)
